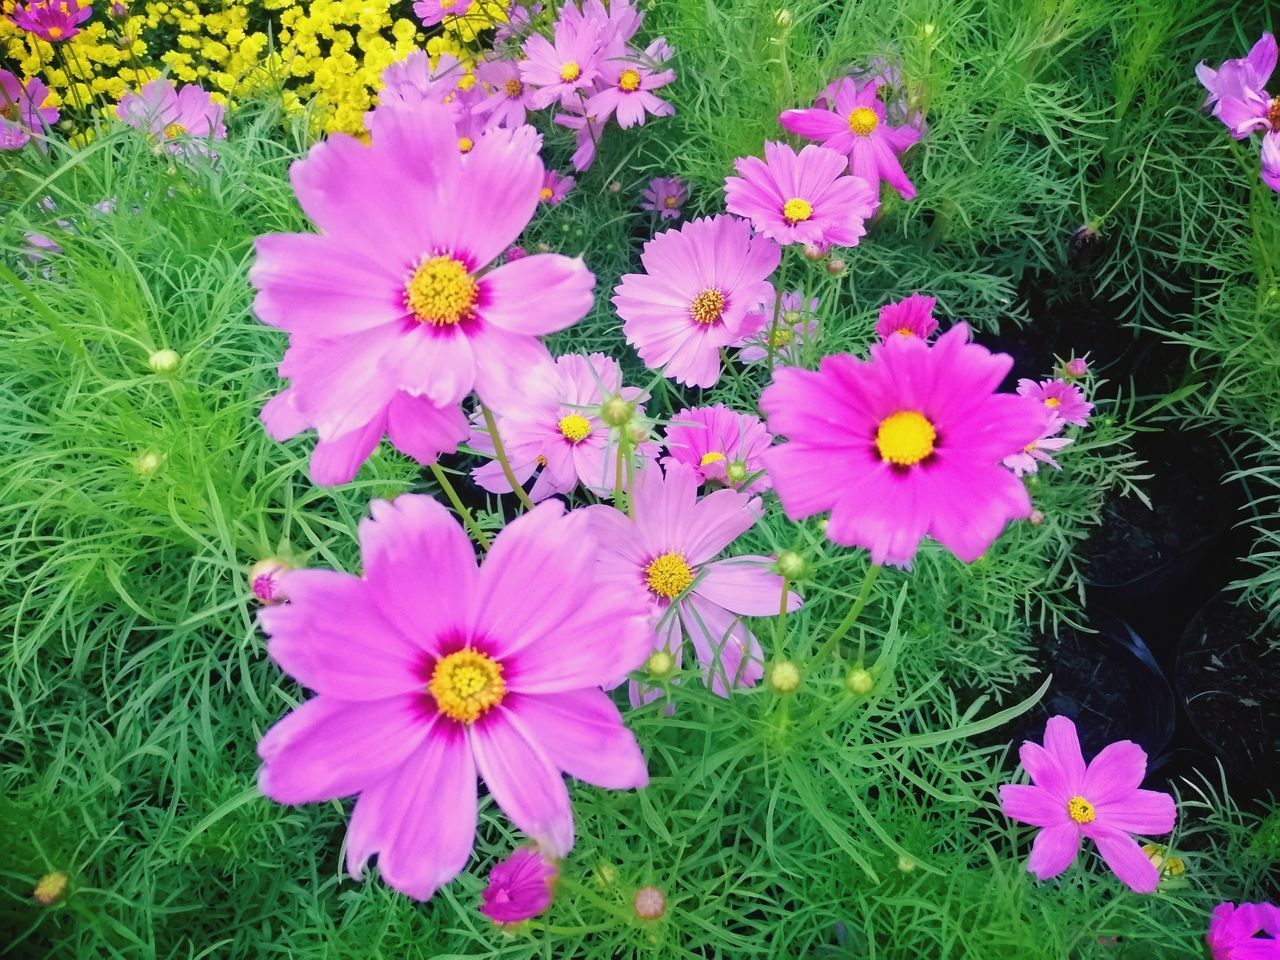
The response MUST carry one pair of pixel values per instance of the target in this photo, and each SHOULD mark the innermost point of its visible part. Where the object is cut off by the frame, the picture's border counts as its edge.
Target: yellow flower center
(540, 460)
(546, 193)
(174, 130)
(905, 438)
(792, 316)
(1273, 113)
(707, 307)
(465, 144)
(447, 4)
(570, 72)
(668, 575)
(780, 337)
(441, 292)
(797, 210)
(55, 32)
(669, 202)
(513, 88)
(628, 81)
(1030, 447)
(863, 121)
(575, 427)
(905, 332)
(1080, 810)
(467, 684)
(1052, 402)
(710, 457)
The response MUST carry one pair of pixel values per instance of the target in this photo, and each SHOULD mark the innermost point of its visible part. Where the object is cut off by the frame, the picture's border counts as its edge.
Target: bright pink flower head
(665, 196)
(1069, 801)
(626, 84)
(559, 70)
(412, 80)
(509, 100)
(720, 445)
(588, 129)
(431, 12)
(910, 317)
(520, 887)
(393, 315)
(1028, 459)
(1233, 931)
(700, 285)
(178, 117)
(555, 187)
(1060, 399)
(22, 111)
(1236, 78)
(51, 20)
(856, 127)
(902, 445)
(264, 579)
(801, 198)
(666, 557)
(1077, 367)
(796, 327)
(430, 671)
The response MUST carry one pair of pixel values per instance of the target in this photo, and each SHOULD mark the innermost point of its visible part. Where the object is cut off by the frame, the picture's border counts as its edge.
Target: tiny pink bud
(813, 251)
(1036, 518)
(515, 252)
(264, 579)
(650, 904)
(836, 266)
(1077, 367)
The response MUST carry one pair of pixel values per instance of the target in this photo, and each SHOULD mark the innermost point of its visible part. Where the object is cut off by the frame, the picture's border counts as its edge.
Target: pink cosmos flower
(431, 12)
(1028, 459)
(801, 198)
(560, 70)
(1233, 930)
(1069, 801)
(412, 80)
(393, 315)
(626, 85)
(1061, 399)
(700, 285)
(178, 117)
(856, 127)
(910, 317)
(902, 445)
(509, 100)
(519, 22)
(618, 22)
(588, 129)
(555, 187)
(1238, 79)
(665, 196)
(430, 670)
(51, 20)
(264, 579)
(22, 111)
(720, 445)
(666, 558)
(1271, 160)
(796, 327)
(520, 887)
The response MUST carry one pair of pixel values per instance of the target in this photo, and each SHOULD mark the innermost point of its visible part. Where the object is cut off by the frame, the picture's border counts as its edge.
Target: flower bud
(784, 18)
(736, 471)
(118, 11)
(859, 682)
(164, 361)
(928, 29)
(650, 904)
(637, 432)
(543, 247)
(1076, 367)
(515, 252)
(606, 875)
(835, 266)
(615, 411)
(1036, 518)
(906, 864)
(148, 463)
(264, 579)
(615, 186)
(791, 565)
(660, 665)
(51, 888)
(784, 677)
(813, 252)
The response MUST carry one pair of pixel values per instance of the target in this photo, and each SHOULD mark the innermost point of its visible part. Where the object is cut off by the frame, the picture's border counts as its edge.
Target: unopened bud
(784, 18)
(51, 888)
(1036, 518)
(660, 665)
(814, 252)
(650, 904)
(615, 186)
(264, 579)
(791, 565)
(164, 361)
(148, 463)
(637, 432)
(1076, 367)
(736, 471)
(835, 266)
(606, 875)
(859, 682)
(906, 864)
(784, 677)
(515, 252)
(615, 411)
(928, 29)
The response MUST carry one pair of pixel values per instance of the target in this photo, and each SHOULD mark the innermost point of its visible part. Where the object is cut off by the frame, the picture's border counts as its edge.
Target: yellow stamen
(710, 457)
(1052, 402)
(570, 72)
(1273, 114)
(174, 130)
(707, 307)
(466, 685)
(668, 575)
(465, 144)
(863, 121)
(447, 4)
(545, 194)
(669, 202)
(797, 210)
(905, 332)
(540, 460)
(441, 292)
(513, 88)
(628, 81)
(55, 33)
(780, 338)
(1029, 447)
(1080, 810)
(575, 427)
(905, 438)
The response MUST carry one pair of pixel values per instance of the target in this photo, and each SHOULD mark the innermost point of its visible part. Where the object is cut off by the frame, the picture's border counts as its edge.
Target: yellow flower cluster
(325, 56)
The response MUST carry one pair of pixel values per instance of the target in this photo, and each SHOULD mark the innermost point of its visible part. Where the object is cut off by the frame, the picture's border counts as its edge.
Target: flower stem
(780, 622)
(459, 507)
(501, 454)
(773, 327)
(864, 594)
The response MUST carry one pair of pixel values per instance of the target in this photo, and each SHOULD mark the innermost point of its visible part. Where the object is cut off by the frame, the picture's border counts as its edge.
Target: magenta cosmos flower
(1233, 932)
(902, 445)
(555, 187)
(855, 125)
(430, 670)
(665, 196)
(563, 69)
(177, 117)
(520, 887)
(720, 445)
(701, 284)
(1028, 459)
(626, 84)
(509, 100)
(1061, 399)
(51, 20)
(1236, 89)
(910, 317)
(394, 311)
(22, 111)
(431, 12)
(796, 327)
(557, 432)
(666, 558)
(801, 198)
(1069, 801)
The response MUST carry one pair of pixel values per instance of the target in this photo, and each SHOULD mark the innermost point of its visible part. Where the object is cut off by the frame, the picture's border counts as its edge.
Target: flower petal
(523, 780)
(1030, 804)
(1053, 850)
(582, 733)
(1127, 861)
(538, 294)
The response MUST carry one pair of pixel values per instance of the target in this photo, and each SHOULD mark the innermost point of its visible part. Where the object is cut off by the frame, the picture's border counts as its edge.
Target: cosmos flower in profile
(23, 114)
(184, 119)
(1061, 399)
(797, 325)
(520, 887)
(910, 317)
(665, 196)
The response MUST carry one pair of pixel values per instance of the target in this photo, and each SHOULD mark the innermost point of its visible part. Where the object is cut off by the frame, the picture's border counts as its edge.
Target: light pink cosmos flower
(430, 670)
(1070, 801)
(1061, 399)
(393, 311)
(520, 887)
(1271, 160)
(1233, 930)
(916, 436)
(565, 68)
(618, 22)
(431, 12)
(1237, 79)
(184, 119)
(509, 100)
(412, 80)
(721, 446)
(856, 127)
(555, 187)
(796, 327)
(666, 558)
(51, 20)
(909, 317)
(588, 129)
(1028, 459)
(626, 84)
(801, 198)
(701, 284)
(665, 196)
(22, 111)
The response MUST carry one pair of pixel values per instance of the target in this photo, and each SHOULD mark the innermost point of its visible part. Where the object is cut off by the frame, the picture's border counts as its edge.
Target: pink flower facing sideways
(51, 20)
(720, 445)
(666, 558)
(910, 317)
(699, 292)
(412, 80)
(665, 196)
(555, 187)
(854, 125)
(177, 117)
(801, 198)
(1028, 459)
(430, 671)
(22, 111)
(520, 887)
(1070, 800)
(907, 443)
(394, 310)
(1239, 100)
(1060, 399)
(1233, 932)
(796, 326)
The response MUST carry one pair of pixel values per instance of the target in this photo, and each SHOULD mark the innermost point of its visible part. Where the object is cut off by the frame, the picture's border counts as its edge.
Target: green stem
(773, 328)
(459, 507)
(501, 454)
(864, 594)
(780, 622)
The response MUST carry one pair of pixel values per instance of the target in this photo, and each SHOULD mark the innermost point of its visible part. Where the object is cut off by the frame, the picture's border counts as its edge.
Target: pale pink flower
(1028, 459)
(412, 80)
(555, 187)
(23, 114)
(561, 69)
(1060, 399)
(431, 12)
(626, 84)
(665, 196)
(185, 119)
(509, 100)
(588, 130)
(797, 325)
